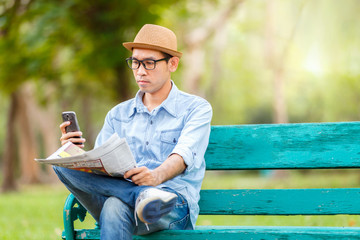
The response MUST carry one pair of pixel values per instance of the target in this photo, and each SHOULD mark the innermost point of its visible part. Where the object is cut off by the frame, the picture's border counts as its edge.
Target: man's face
(152, 81)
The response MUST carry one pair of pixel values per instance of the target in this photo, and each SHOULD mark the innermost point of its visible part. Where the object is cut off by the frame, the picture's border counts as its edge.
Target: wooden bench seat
(260, 147)
(243, 232)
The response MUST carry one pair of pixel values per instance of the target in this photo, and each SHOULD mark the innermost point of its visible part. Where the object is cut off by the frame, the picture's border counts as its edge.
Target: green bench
(260, 147)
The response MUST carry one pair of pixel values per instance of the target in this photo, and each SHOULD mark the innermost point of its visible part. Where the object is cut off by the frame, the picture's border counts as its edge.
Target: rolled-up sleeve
(194, 137)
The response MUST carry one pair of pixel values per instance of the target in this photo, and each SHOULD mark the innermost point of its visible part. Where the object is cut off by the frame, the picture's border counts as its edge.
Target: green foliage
(75, 47)
(71, 50)
(71, 43)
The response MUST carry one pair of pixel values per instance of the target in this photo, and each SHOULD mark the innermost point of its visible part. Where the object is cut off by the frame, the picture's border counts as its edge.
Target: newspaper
(113, 158)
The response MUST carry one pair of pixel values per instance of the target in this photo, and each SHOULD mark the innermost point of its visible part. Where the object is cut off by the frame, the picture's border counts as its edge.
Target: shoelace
(136, 206)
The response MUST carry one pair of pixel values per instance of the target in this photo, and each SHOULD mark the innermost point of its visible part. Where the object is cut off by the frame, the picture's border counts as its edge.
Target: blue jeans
(111, 201)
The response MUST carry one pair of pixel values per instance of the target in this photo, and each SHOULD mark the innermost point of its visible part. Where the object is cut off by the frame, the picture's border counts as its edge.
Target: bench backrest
(283, 146)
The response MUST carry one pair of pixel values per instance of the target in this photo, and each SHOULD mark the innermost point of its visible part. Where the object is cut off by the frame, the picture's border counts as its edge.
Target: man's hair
(166, 55)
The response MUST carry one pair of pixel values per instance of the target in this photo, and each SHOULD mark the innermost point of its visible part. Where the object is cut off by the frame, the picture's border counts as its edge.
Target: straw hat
(157, 38)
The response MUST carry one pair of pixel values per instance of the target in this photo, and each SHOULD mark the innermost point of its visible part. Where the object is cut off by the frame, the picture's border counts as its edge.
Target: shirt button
(147, 143)
(151, 122)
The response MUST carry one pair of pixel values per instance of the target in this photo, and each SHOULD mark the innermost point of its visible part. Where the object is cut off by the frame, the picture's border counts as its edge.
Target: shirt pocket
(168, 141)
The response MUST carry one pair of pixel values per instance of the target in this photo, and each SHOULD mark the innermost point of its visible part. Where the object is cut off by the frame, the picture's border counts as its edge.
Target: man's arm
(170, 168)
(187, 153)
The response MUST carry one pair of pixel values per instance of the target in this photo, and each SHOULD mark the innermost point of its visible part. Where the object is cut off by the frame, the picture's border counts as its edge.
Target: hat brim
(131, 45)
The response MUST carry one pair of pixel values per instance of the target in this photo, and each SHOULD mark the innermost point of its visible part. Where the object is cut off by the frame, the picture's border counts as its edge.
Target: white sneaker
(154, 203)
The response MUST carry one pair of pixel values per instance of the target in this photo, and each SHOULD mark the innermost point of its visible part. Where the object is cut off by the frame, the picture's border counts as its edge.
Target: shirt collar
(169, 104)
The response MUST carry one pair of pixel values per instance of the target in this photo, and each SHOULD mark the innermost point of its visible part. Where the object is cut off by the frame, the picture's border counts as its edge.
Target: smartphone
(74, 125)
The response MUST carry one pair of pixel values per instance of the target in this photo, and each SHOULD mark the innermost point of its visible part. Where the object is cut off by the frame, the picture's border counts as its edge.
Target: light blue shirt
(181, 125)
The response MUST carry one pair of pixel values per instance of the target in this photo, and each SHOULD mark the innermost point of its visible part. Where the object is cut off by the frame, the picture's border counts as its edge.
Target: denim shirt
(181, 125)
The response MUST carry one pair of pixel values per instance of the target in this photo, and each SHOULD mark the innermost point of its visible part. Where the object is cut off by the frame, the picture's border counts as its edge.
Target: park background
(255, 61)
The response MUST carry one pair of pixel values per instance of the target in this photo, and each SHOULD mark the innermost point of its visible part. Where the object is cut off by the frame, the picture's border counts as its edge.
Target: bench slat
(257, 233)
(280, 202)
(269, 146)
(243, 232)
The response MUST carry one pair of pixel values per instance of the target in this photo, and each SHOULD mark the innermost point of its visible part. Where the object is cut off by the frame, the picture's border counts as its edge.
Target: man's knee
(59, 173)
(114, 210)
(116, 220)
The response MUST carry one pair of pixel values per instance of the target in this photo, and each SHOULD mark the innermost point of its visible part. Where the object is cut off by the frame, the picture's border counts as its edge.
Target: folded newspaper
(113, 158)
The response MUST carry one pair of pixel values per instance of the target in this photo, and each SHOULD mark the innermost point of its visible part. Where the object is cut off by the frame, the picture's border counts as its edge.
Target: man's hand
(143, 176)
(74, 137)
(170, 168)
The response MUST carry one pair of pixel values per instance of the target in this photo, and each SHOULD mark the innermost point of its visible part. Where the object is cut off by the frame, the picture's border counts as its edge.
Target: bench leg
(70, 214)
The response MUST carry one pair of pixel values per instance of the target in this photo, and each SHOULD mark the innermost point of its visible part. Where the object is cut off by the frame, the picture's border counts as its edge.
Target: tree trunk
(219, 44)
(194, 58)
(122, 85)
(45, 120)
(276, 59)
(27, 142)
(194, 65)
(275, 63)
(9, 160)
(280, 106)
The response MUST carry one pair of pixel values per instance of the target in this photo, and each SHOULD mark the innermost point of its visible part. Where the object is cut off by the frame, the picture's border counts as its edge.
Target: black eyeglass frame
(142, 62)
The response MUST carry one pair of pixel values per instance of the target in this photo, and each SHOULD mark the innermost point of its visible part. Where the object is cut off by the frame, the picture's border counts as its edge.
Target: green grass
(36, 211)
(33, 213)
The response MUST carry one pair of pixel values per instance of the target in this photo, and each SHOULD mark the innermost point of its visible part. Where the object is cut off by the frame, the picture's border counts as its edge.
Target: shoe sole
(155, 209)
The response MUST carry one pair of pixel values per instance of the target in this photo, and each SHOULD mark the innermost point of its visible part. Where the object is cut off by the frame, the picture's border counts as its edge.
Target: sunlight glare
(313, 62)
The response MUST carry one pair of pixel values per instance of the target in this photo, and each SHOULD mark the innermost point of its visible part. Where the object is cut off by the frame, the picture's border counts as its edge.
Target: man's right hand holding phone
(74, 137)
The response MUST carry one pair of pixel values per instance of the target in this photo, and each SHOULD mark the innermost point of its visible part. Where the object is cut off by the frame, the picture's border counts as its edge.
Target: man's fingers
(138, 177)
(133, 172)
(66, 136)
(74, 137)
(74, 140)
(63, 126)
(141, 176)
(77, 140)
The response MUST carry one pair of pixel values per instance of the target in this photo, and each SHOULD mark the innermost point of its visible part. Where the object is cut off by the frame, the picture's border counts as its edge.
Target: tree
(71, 46)
(276, 57)
(195, 40)
(13, 17)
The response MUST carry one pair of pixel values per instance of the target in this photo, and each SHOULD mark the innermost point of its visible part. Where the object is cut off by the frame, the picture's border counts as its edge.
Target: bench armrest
(73, 210)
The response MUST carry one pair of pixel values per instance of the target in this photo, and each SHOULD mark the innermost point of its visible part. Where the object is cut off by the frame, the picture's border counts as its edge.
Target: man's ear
(173, 63)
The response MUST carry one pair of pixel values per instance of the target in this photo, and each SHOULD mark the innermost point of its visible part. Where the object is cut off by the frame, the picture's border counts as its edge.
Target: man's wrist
(158, 176)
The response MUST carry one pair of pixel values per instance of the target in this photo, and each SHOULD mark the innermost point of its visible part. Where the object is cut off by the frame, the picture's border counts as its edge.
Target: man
(168, 133)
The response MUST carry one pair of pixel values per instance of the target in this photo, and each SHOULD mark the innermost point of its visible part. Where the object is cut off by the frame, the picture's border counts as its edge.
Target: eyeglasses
(149, 64)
